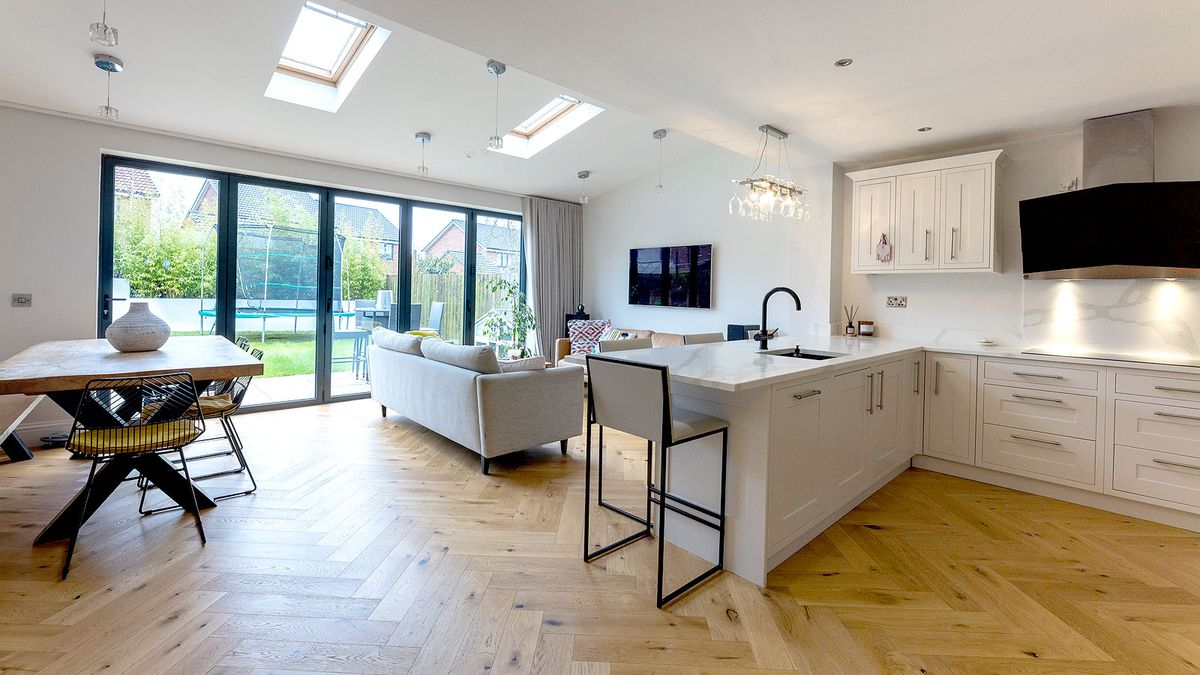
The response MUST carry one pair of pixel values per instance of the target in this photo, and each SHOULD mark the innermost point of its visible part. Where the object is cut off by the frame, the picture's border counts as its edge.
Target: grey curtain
(554, 242)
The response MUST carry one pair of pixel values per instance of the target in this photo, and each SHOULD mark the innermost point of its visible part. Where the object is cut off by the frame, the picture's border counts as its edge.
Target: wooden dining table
(60, 370)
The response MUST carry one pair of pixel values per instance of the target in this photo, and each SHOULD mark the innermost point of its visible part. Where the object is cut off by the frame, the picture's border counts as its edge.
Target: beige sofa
(492, 413)
(562, 346)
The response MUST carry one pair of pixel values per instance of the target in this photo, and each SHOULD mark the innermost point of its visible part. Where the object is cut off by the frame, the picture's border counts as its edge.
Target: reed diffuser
(851, 312)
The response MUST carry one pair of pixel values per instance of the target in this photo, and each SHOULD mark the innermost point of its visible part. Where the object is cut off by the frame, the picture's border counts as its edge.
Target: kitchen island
(808, 439)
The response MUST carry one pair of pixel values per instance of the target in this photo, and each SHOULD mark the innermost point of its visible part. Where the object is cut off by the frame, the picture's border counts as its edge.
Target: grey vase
(138, 331)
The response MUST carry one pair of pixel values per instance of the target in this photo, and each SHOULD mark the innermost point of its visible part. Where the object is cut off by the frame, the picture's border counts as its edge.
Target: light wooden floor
(375, 546)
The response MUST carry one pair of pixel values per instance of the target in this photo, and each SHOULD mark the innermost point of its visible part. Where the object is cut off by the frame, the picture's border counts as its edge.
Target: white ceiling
(200, 68)
(971, 69)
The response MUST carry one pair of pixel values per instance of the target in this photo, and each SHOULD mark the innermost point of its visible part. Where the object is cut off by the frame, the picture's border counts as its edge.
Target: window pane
(320, 40)
(439, 239)
(366, 252)
(165, 247)
(498, 284)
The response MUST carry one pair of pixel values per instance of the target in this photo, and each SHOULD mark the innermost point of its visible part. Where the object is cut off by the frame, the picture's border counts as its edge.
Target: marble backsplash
(1150, 318)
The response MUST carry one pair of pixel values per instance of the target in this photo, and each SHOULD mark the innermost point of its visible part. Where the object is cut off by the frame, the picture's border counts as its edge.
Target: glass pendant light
(583, 176)
(101, 33)
(423, 137)
(497, 69)
(659, 135)
(109, 64)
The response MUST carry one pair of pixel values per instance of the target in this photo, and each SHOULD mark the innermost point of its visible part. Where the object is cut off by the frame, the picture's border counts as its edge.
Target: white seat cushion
(687, 424)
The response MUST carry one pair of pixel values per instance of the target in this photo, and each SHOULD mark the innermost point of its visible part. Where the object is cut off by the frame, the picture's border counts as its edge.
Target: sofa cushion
(535, 363)
(618, 334)
(585, 334)
(397, 342)
(478, 358)
(666, 339)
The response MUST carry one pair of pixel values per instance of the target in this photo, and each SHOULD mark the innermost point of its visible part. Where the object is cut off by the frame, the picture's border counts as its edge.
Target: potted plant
(512, 320)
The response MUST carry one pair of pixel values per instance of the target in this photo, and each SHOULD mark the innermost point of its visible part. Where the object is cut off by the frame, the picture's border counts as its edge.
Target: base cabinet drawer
(1060, 459)
(1153, 426)
(1033, 372)
(1143, 384)
(1050, 412)
(1157, 475)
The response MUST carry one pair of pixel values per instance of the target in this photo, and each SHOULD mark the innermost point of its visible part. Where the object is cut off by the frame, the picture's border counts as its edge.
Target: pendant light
(101, 33)
(423, 137)
(583, 176)
(497, 69)
(763, 196)
(659, 135)
(109, 64)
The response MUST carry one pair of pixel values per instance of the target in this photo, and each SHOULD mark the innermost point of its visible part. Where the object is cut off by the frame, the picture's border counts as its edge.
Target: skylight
(562, 115)
(326, 54)
(323, 43)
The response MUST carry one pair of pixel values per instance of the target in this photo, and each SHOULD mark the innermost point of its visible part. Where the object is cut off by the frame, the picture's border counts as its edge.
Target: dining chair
(132, 416)
(623, 345)
(703, 338)
(636, 398)
(436, 309)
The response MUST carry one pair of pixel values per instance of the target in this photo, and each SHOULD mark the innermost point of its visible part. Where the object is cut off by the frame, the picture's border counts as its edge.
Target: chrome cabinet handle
(1048, 377)
(1178, 389)
(1178, 464)
(880, 404)
(953, 242)
(1034, 440)
(1037, 398)
(807, 394)
(916, 377)
(928, 235)
(1177, 416)
(937, 378)
(871, 393)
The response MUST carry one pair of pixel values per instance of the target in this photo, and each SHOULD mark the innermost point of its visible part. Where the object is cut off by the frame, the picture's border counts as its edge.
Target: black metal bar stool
(636, 398)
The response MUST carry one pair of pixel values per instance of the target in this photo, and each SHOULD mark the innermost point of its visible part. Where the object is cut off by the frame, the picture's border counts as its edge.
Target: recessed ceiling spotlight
(842, 63)
(924, 129)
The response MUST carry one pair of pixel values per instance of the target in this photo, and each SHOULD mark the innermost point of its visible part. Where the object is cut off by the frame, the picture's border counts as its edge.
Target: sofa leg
(484, 463)
(383, 409)
(563, 446)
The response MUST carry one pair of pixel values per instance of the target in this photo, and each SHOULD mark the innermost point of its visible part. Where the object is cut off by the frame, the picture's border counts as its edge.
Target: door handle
(953, 242)
(928, 235)
(937, 378)
(1025, 397)
(1181, 390)
(807, 394)
(916, 377)
(880, 404)
(1178, 464)
(1048, 377)
(1034, 440)
(106, 310)
(1177, 416)
(871, 393)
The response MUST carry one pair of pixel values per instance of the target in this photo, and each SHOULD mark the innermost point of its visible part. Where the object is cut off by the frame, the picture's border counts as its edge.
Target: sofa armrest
(525, 409)
(562, 349)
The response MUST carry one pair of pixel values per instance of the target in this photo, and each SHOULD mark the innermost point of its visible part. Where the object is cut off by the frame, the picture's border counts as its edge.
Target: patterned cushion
(585, 335)
(617, 334)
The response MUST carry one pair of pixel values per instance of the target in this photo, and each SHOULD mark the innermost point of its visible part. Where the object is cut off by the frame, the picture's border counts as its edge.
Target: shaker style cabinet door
(873, 217)
(950, 407)
(967, 218)
(917, 221)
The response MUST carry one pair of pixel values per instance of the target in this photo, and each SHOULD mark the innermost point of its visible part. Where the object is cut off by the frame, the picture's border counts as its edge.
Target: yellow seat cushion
(215, 406)
(424, 333)
(128, 440)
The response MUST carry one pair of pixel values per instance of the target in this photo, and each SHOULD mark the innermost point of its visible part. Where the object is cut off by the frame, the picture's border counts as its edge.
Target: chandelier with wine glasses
(763, 196)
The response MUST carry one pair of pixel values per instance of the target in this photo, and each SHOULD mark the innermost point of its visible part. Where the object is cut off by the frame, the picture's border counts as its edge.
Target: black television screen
(671, 276)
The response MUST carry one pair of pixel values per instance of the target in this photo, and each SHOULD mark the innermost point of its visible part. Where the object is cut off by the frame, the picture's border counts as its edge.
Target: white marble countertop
(736, 366)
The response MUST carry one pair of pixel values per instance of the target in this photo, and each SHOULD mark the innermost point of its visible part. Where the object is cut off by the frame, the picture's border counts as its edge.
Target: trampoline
(268, 313)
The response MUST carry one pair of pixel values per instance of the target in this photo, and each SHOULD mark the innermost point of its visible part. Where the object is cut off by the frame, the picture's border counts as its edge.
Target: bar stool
(636, 398)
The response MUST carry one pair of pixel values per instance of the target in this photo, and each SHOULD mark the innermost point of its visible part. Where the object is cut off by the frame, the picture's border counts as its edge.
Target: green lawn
(288, 353)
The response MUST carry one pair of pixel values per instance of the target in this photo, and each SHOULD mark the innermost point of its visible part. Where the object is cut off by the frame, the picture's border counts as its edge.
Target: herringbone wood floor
(375, 546)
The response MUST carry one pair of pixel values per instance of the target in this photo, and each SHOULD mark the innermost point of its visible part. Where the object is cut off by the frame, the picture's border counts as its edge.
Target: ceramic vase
(138, 331)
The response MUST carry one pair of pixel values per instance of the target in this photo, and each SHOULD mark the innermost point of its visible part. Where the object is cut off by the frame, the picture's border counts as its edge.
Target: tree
(512, 320)
(440, 264)
(363, 272)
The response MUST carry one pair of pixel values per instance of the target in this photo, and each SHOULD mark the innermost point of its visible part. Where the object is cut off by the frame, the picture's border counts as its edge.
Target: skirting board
(36, 431)
(1096, 500)
(810, 533)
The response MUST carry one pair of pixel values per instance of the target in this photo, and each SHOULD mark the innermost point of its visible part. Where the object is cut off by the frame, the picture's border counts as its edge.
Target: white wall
(50, 211)
(749, 258)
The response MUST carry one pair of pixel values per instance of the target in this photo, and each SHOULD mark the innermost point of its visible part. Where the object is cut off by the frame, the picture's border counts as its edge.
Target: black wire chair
(132, 416)
(221, 406)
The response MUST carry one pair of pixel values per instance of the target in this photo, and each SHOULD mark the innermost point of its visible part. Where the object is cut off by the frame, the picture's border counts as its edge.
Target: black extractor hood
(1118, 231)
(1122, 224)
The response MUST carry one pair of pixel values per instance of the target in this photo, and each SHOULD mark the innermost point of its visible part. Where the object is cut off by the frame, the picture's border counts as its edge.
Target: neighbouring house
(498, 247)
(134, 190)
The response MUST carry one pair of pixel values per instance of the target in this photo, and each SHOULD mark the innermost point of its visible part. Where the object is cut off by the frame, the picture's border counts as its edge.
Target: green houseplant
(511, 320)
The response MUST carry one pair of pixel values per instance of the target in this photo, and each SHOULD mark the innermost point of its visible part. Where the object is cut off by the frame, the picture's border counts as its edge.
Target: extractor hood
(1121, 225)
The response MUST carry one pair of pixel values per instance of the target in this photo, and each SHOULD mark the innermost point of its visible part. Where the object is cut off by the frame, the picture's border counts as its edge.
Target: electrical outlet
(22, 299)
(897, 301)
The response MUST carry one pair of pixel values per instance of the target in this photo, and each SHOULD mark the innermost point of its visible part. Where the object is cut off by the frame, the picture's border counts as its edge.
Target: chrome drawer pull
(1034, 440)
(1178, 464)
(1177, 416)
(916, 377)
(807, 394)
(880, 404)
(1037, 398)
(1048, 377)
(871, 393)
(1181, 390)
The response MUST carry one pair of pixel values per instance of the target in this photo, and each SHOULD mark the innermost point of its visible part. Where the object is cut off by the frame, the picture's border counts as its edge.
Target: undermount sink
(810, 354)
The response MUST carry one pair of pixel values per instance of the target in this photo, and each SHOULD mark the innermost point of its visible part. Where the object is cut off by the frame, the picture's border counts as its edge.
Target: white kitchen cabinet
(799, 425)
(845, 464)
(918, 214)
(885, 444)
(939, 215)
(874, 215)
(912, 401)
(950, 406)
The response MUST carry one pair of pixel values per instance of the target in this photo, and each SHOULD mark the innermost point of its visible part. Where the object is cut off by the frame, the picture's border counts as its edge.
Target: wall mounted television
(671, 276)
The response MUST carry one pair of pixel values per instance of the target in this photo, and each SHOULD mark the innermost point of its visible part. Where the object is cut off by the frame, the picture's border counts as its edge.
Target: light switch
(22, 299)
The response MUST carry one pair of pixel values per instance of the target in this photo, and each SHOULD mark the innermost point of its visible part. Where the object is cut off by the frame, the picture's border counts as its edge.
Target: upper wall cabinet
(939, 215)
